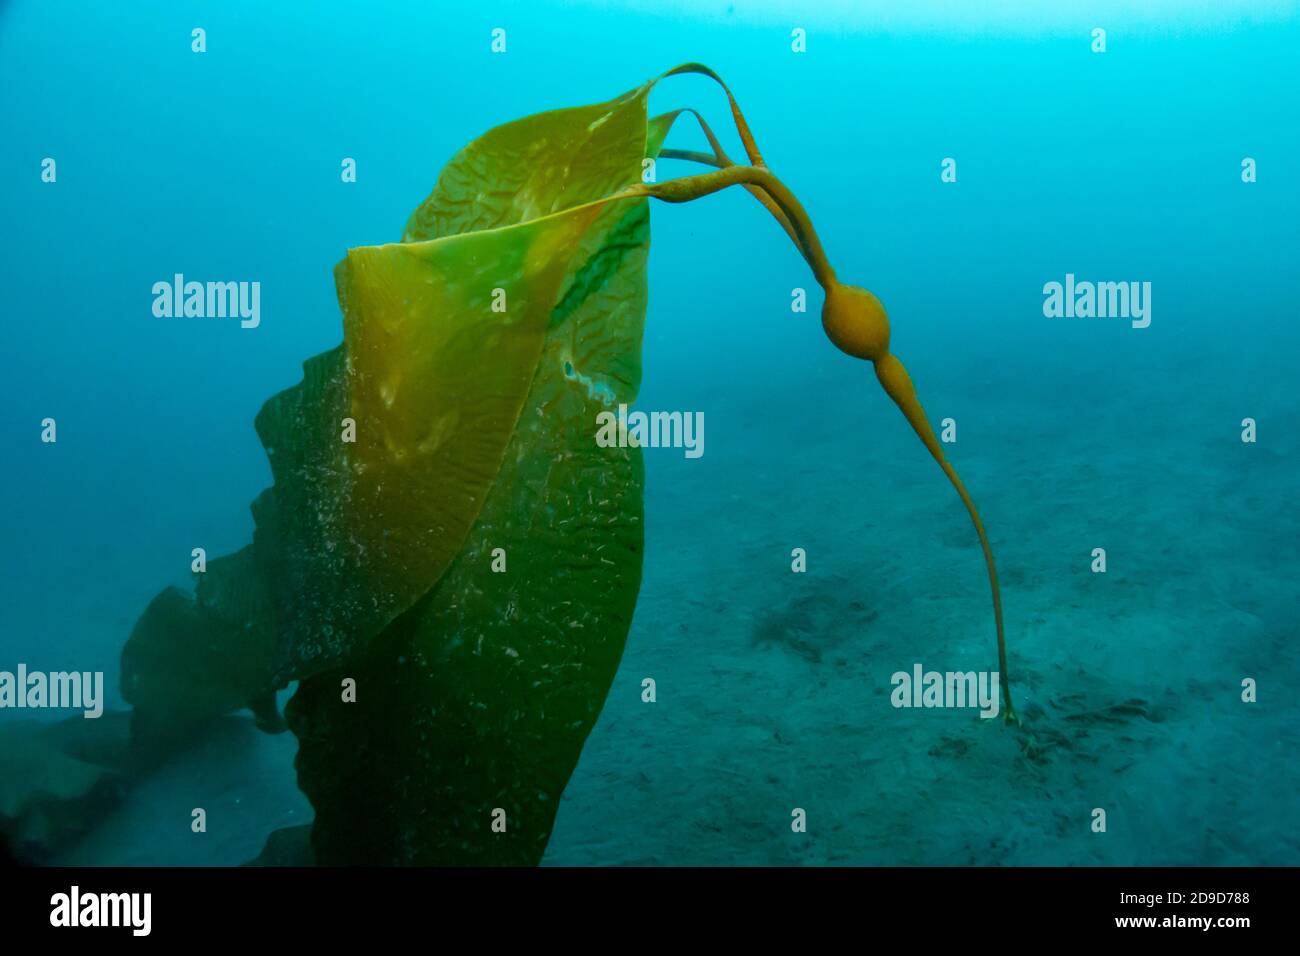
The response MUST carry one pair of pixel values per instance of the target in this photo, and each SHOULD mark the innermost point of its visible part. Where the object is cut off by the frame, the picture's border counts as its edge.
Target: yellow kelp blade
(472, 708)
(442, 341)
(535, 166)
(456, 422)
(479, 699)
(374, 493)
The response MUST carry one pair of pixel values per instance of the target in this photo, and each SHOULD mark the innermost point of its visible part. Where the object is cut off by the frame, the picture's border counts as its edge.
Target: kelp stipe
(853, 319)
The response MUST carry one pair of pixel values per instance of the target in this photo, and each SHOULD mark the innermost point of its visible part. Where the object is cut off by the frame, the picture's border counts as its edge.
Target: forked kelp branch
(692, 156)
(688, 188)
(742, 128)
(853, 318)
(720, 160)
(769, 202)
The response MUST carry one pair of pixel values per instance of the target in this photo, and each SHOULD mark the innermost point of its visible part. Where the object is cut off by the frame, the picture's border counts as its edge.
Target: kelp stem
(898, 386)
(889, 370)
(689, 188)
(742, 128)
(720, 160)
(720, 157)
(690, 155)
(852, 317)
(751, 150)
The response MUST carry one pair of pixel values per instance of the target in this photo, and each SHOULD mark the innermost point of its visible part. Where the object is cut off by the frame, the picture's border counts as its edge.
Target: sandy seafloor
(773, 688)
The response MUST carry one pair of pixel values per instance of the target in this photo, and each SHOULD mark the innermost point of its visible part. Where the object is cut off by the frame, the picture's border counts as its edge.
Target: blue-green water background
(1072, 434)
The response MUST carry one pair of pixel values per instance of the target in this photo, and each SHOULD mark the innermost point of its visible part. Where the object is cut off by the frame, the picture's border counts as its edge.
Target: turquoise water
(773, 688)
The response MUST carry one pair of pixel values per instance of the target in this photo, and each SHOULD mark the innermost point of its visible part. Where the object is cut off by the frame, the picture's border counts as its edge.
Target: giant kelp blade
(442, 339)
(535, 166)
(190, 659)
(353, 532)
(442, 429)
(435, 377)
(478, 700)
(472, 708)
(657, 130)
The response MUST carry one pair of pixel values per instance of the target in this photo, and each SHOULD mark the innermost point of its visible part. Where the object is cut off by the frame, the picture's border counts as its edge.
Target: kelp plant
(447, 563)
